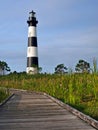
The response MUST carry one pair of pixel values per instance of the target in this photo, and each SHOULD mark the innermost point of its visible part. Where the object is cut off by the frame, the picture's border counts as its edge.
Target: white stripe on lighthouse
(32, 52)
(31, 69)
(32, 31)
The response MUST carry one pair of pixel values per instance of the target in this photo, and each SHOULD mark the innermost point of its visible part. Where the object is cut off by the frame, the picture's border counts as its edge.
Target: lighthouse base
(32, 70)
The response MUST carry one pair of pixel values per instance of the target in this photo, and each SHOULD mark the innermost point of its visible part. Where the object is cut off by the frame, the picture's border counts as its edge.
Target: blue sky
(67, 31)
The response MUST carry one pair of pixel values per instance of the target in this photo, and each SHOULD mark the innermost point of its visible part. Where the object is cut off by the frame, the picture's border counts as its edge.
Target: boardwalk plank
(33, 111)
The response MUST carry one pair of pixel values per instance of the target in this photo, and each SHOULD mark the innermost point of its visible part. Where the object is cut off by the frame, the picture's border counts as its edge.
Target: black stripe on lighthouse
(32, 41)
(32, 52)
(32, 61)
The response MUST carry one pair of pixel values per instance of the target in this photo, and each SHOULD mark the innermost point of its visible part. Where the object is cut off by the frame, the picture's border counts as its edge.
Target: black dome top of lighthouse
(32, 19)
(32, 14)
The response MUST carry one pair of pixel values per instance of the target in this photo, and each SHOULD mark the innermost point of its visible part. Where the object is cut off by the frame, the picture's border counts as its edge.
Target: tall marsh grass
(78, 90)
(4, 93)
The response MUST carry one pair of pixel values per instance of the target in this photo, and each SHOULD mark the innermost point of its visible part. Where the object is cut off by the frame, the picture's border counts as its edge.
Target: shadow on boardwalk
(36, 111)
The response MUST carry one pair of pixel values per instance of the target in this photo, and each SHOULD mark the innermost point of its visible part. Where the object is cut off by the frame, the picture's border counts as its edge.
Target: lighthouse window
(32, 15)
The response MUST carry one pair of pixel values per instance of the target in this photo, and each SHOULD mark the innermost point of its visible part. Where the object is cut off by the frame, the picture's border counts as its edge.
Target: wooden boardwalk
(34, 111)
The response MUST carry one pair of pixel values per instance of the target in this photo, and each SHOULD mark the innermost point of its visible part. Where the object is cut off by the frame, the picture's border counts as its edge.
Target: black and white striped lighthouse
(32, 51)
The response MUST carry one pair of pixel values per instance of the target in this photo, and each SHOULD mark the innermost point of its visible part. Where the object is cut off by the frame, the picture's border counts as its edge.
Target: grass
(78, 90)
(3, 94)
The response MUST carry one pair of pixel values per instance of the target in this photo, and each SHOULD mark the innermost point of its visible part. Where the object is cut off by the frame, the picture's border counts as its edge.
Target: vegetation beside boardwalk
(78, 90)
(3, 94)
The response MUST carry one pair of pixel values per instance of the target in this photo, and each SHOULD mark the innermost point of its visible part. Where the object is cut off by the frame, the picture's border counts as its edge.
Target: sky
(67, 31)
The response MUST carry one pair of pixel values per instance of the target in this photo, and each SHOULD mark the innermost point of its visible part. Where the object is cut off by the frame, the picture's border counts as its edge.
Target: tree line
(81, 67)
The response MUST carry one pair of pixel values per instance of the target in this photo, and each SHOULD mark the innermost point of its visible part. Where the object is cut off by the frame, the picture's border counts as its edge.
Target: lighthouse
(32, 50)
